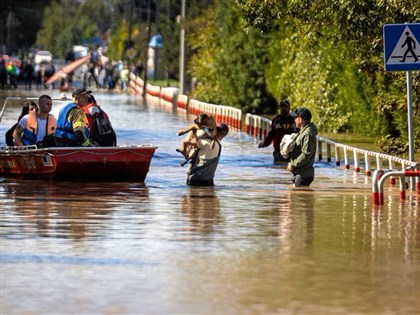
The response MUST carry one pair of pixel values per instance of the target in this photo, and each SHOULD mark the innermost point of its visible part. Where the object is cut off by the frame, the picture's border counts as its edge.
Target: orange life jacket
(31, 129)
(91, 111)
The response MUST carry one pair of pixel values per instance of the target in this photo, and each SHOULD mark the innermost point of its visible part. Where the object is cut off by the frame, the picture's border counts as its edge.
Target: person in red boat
(72, 124)
(100, 127)
(36, 125)
(84, 123)
(27, 107)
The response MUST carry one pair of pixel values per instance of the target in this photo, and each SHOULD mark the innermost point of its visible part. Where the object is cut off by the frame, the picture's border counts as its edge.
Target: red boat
(125, 163)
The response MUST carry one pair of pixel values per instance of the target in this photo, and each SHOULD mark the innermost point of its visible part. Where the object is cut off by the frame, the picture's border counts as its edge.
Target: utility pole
(149, 30)
(130, 30)
(182, 58)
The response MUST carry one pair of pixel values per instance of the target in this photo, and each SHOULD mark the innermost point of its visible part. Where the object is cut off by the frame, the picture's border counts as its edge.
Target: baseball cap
(284, 102)
(80, 91)
(301, 112)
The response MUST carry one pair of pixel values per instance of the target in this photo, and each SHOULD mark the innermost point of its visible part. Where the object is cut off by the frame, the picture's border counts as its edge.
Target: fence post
(319, 148)
(356, 161)
(346, 159)
(391, 168)
(375, 192)
(378, 162)
(367, 163)
(337, 155)
(328, 152)
(402, 187)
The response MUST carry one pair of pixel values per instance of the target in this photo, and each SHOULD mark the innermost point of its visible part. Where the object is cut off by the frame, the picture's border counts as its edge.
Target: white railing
(258, 127)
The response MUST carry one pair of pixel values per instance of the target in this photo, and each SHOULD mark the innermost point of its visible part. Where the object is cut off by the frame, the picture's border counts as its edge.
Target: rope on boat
(101, 153)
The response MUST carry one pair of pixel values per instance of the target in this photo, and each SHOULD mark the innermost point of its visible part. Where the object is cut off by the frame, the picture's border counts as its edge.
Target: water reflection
(68, 210)
(296, 221)
(396, 222)
(202, 208)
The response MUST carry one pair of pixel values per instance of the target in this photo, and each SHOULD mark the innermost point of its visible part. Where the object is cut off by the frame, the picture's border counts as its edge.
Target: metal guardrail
(368, 155)
(258, 127)
(378, 184)
(24, 98)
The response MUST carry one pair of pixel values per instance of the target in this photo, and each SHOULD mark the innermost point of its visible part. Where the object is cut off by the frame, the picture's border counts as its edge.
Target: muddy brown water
(252, 244)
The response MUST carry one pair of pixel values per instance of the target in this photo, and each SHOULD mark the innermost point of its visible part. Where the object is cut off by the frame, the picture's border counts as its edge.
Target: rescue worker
(303, 155)
(36, 125)
(100, 127)
(202, 169)
(281, 125)
(72, 124)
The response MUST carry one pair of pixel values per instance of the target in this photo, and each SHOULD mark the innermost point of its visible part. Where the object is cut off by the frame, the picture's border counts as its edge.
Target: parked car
(43, 56)
(80, 51)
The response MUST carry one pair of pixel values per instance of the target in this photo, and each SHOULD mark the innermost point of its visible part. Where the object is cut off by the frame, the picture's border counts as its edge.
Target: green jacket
(303, 155)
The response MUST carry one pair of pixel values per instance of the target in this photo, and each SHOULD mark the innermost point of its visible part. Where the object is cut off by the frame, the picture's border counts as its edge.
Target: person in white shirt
(35, 126)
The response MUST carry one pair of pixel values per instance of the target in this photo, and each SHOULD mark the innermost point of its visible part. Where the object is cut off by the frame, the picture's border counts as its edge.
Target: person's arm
(78, 123)
(268, 139)
(271, 133)
(192, 142)
(17, 135)
(18, 132)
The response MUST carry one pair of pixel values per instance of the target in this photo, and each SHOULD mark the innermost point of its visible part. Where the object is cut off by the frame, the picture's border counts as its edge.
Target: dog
(204, 126)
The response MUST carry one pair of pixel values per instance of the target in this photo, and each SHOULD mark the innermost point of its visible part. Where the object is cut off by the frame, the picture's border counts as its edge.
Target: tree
(228, 62)
(71, 23)
(19, 25)
(332, 52)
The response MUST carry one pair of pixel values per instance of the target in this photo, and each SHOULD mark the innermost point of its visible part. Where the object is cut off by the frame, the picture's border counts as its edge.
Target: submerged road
(253, 244)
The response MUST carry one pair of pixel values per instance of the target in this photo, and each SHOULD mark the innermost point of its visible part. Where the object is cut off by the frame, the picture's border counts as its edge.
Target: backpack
(49, 71)
(102, 132)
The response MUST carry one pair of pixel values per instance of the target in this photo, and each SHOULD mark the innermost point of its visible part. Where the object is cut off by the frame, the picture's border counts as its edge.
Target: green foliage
(116, 44)
(328, 55)
(262, 15)
(67, 24)
(204, 61)
(170, 30)
(230, 66)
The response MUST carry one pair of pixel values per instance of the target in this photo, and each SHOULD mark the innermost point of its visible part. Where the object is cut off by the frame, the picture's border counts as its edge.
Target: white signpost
(402, 53)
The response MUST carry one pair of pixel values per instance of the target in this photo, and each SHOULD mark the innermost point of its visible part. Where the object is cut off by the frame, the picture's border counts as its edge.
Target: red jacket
(280, 126)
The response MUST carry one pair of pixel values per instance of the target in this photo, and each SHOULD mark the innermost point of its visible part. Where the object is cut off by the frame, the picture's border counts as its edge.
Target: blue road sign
(402, 47)
(156, 42)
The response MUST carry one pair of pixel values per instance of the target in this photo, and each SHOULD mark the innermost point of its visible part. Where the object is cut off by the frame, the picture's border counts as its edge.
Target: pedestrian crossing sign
(402, 47)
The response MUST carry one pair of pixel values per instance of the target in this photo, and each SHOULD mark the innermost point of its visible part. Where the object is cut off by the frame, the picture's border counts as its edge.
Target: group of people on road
(302, 148)
(13, 72)
(82, 123)
(299, 155)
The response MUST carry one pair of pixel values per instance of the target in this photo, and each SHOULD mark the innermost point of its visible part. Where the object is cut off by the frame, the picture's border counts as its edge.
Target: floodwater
(252, 244)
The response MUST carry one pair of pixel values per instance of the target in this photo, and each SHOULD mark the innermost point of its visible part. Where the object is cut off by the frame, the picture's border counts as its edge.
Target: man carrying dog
(202, 169)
